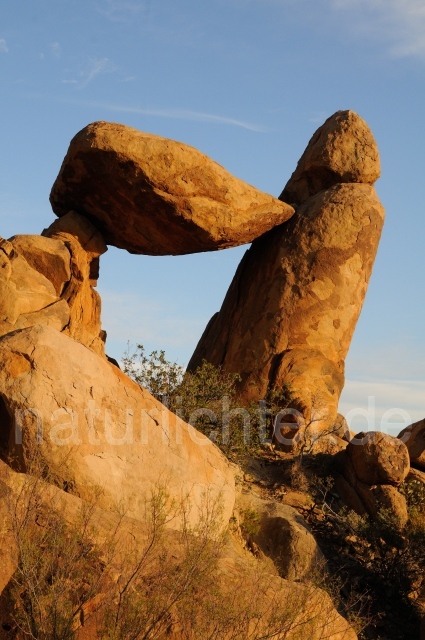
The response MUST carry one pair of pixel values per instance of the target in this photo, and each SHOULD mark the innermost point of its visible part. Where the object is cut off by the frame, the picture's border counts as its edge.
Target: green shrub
(208, 400)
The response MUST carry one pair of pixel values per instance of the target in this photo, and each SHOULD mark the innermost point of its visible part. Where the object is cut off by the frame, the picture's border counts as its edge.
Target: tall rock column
(291, 310)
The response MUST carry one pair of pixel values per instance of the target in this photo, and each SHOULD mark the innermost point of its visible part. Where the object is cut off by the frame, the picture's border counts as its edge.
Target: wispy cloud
(3, 46)
(177, 114)
(96, 67)
(56, 50)
(122, 10)
(400, 22)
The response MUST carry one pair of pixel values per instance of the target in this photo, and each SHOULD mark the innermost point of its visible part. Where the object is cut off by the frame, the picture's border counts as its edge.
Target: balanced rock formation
(95, 426)
(414, 439)
(85, 245)
(291, 310)
(155, 196)
(370, 469)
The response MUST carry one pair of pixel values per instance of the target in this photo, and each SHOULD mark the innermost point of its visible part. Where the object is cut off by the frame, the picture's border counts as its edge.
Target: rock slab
(155, 196)
(95, 426)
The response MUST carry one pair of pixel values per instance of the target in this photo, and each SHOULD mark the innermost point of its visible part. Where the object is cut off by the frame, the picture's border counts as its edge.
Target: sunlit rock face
(289, 315)
(155, 196)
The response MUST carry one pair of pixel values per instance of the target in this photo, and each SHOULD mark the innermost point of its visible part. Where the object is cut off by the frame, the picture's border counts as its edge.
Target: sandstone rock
(290, 312)
(93, 425)
(27, 297)
(342, 150)
(416, 475)
(85, 245)
(306, 609)
(378, 458)
(282, 535)
(414, 438)
(388, 497)
(156, 196)
(47, 256)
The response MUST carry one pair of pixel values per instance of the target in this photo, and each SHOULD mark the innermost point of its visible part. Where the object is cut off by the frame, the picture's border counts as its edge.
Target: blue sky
(247, 82)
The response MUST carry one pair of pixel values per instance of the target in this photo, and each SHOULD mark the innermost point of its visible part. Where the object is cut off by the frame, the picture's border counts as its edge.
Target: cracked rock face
(95, 427)
(291, 310)
(155, 196)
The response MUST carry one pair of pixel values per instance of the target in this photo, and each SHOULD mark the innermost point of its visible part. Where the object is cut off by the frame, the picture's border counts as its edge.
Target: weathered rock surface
(95, 426)
(309, 610)
(85, 245)
(47, 256)
(27, 297)
(378, 458)
(369, 472)
(343, 149)
(155, 196)
(292, 307)
(282, 535)
(414, 438)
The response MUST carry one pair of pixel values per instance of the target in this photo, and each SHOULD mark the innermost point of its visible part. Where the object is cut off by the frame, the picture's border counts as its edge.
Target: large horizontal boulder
(414, 439)
(94, 426)
(155, 196)
(343, 149)
(291, 310)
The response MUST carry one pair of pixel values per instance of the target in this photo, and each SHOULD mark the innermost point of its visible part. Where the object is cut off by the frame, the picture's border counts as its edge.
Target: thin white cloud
(56, 50)
(3, 46)
(400, 22)
(178, 114)
(96, 67)
(121, 10)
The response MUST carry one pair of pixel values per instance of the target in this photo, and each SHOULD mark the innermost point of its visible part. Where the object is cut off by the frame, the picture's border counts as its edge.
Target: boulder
(343, 149)
(291, 310)
(414, 439)
(95, 426)
(389, 498)
(47, 256)
(85, 245)
(27, 297)
(378, 458)
(282, 535)
(155, 196)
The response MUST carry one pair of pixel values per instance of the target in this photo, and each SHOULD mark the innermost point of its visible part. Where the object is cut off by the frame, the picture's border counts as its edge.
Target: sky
(247, 82)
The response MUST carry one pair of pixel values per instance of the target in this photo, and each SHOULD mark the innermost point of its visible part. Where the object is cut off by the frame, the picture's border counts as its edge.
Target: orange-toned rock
(47, 256)
(85, 245)
(95, 426)
(155, 196)
(291, 310)
(27, 297)
(378, 458)
(343, 149)
(414, 438)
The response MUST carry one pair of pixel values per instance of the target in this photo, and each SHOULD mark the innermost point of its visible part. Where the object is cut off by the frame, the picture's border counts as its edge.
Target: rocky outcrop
(343, 149)
(27, 296)
(85, 245)
(48, 256)
(414, 439)
(290, 312)
(94, 426)
(370, 469)
(251, 587)
(156, 196)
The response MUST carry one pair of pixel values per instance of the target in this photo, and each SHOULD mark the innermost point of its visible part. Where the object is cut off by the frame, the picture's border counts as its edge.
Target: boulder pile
(371, 468)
